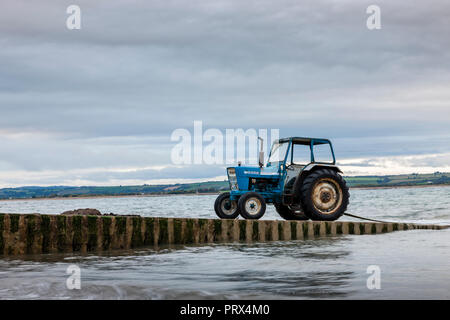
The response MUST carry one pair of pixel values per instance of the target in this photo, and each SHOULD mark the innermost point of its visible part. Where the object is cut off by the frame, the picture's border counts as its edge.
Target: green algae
(14, 223)
(217, 229)
(136, 236)
(269, 236)
(203, 229)
(293, 230)
(316, 229)
(202, 223)
(77, 233)
(362, 228)
(149, 237)
(2, 226)
(242, 229)
(189, 236)
(374, 229)
(305, 229)
(339, 228)
(106, 236)
(45, 233)
(61, 238)
(163, 231)
(327, 228)
(280, 231)
(30, 232)
(177, 230)
(92, 233)
(351, 228)
(121, 224)
(255, 230)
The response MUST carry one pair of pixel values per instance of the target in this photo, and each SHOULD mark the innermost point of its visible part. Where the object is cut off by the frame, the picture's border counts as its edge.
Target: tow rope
(362, 218)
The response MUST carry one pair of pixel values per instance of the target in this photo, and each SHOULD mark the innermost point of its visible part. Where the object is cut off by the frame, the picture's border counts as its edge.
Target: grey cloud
(138, 70)
(192, 172)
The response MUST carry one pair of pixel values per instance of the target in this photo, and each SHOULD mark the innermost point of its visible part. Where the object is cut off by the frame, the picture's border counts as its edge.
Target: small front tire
(252, 205)
(226, 208)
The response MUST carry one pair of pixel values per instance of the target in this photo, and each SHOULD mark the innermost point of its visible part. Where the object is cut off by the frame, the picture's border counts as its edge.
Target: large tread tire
(289, 214)
(248, 200)
(316, 191)
(226, 210)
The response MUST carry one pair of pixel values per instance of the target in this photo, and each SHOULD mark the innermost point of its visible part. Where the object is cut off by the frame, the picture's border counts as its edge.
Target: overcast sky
(97, 106)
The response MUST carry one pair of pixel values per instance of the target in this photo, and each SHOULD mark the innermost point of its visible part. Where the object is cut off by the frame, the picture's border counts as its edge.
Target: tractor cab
(293, 155)
(291, 163)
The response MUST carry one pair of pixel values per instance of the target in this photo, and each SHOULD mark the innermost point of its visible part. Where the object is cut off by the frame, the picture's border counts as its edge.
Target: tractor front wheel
(324, 195)
(289, 214)
(226, 208)
(252, 205)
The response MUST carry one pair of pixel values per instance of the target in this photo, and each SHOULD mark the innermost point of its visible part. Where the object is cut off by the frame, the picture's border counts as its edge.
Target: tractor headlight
(232, 178)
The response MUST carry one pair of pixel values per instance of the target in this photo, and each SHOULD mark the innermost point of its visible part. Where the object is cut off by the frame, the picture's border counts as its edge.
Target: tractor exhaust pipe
(261, 153)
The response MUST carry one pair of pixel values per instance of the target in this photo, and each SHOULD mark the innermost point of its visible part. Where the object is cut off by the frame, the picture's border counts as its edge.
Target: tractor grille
(232, 179)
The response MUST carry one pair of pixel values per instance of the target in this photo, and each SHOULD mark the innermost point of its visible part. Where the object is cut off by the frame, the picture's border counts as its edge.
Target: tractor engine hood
(240, 177)
(257, 172)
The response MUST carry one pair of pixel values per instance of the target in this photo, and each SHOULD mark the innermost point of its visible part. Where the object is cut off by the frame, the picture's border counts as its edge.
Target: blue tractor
(300, 179)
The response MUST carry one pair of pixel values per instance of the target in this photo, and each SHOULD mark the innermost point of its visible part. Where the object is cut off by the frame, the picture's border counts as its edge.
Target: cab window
(278, 152)
(301, 154)
(322, 153)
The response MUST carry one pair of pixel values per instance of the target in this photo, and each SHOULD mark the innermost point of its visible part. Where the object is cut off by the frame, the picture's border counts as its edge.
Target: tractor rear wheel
(226, 208)
(289, 214)
(252, 205)
(324, 195)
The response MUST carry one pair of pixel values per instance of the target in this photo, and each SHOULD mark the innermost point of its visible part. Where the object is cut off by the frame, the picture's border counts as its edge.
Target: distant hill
(437, 178)
(66, 191)
(414, 179)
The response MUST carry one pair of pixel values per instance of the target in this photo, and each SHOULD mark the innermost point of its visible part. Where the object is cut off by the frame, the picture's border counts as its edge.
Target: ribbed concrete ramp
(34, 233)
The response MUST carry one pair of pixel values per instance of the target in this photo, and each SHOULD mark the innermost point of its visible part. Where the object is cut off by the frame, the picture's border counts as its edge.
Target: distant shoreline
(196, 194)
(413, 180)
(401, 187)
(112, 196)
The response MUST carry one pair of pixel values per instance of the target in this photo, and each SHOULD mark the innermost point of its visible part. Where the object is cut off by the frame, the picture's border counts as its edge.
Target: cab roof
(304, 140)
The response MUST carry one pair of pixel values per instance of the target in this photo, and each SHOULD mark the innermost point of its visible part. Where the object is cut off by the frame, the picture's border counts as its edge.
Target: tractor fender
(315, 166)
(311, 168)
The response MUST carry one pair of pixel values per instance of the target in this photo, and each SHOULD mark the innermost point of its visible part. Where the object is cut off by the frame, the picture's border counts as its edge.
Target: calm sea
(414, 264)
